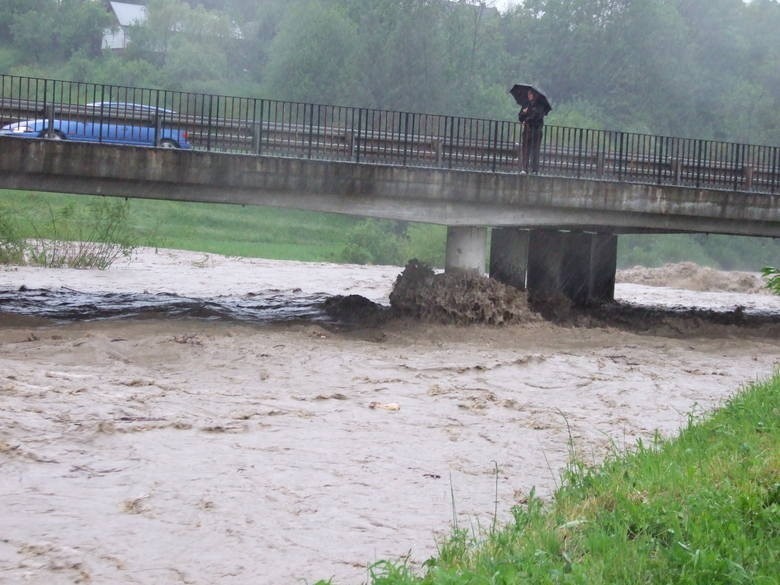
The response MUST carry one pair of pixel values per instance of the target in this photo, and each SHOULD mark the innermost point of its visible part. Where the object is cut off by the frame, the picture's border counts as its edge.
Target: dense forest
(696, 68)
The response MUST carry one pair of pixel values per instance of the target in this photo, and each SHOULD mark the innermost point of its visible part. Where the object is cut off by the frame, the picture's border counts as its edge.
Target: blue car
(110, 125)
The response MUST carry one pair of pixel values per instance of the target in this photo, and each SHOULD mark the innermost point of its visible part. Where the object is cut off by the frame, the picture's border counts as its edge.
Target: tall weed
(12, 245)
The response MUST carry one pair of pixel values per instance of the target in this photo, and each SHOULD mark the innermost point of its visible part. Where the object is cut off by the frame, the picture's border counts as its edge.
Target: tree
(11, 9)
(314, 57)
(72, 26)
(190, 45)
(475, 60)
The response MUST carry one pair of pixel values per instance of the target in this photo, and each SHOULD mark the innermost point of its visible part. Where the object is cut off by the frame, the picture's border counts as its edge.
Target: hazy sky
(502, 5)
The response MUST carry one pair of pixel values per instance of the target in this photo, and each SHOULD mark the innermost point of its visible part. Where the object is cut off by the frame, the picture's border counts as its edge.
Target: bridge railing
(272, 127)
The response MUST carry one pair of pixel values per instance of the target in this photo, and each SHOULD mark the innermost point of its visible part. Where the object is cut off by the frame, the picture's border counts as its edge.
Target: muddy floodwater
(190, 418)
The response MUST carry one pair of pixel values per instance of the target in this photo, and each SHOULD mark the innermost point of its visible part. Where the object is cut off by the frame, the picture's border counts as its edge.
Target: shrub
(374, 242)
(772, 276)
(93, 236)
(11, 244)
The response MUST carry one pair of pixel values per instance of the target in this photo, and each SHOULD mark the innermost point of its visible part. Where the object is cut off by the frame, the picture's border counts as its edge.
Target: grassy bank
(701, 509)
(234, 230)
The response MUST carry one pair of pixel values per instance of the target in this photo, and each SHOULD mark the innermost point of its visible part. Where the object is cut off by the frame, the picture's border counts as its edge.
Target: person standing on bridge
(534, 106)
(532, 117)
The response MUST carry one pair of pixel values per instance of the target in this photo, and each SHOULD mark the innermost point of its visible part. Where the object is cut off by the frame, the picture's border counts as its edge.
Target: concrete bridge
(550, 234)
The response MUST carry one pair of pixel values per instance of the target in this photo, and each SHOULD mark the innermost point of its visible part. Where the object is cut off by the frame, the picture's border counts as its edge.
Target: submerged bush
(772, 276)
(11, 244)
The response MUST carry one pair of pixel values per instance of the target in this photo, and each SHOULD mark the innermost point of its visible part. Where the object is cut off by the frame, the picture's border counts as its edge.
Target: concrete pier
(579, 266)
(466, 248)
(509, 255)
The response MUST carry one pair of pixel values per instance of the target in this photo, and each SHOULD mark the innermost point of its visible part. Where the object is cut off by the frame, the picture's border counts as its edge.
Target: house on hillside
(125, 14)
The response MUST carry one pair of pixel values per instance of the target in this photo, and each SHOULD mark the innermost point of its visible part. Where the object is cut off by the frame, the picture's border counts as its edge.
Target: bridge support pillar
(577, 265)
(509, 256)
(603, 264)
(466, 248)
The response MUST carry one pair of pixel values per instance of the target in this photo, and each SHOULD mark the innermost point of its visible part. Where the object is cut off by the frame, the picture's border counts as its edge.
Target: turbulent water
(248, 442)
(64, 304)
(67, 304)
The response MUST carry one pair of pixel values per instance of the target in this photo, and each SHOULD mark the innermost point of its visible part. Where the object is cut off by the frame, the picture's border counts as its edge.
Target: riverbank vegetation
(699, 509)
(772, 276)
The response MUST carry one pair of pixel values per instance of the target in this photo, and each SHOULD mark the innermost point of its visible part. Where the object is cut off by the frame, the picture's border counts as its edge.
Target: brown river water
(191, 445)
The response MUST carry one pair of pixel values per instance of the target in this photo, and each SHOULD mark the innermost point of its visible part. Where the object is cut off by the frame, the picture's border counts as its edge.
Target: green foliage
(374, 241)
(772, 276)
(718, 251)
(91, 236)
(314, 56)
(12, 245)
(579, 114)
(70, 26)
(427, 243)
(57, 231)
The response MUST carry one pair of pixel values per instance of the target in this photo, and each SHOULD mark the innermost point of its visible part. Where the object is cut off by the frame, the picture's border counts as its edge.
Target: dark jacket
(533, 115)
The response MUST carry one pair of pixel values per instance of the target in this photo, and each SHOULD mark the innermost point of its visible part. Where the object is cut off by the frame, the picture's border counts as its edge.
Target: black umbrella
(520, 91)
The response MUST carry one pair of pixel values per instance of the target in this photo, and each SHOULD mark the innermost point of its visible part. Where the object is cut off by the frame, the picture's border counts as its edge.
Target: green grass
(701, 509)
(234, 230)
(221, 229)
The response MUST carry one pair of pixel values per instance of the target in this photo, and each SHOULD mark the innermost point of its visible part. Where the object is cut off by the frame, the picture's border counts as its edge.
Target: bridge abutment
(579, 266)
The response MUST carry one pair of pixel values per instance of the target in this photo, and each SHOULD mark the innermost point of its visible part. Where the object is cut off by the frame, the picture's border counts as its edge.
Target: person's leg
(535, 146)
(525, 149)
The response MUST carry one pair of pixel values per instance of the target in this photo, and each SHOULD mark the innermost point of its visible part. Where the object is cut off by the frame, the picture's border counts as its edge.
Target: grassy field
(221, 229)
(235, 230)
(701, 509)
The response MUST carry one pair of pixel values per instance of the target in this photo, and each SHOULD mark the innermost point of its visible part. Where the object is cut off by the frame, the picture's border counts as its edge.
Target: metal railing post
(357, 146)
(208, 129)
(494, 130)
(48, 116)
(257, 127)
(311, 129)
(157, 121)
(102, 106)
(699, 148)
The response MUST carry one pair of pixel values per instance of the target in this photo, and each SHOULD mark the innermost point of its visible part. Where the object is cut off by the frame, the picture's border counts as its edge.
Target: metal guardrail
(303, 130)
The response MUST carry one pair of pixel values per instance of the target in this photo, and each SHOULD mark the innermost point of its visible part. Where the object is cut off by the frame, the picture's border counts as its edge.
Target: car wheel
(52, 135)
(168, 143)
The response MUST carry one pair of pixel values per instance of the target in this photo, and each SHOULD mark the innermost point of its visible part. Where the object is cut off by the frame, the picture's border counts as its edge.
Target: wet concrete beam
(466, 248)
